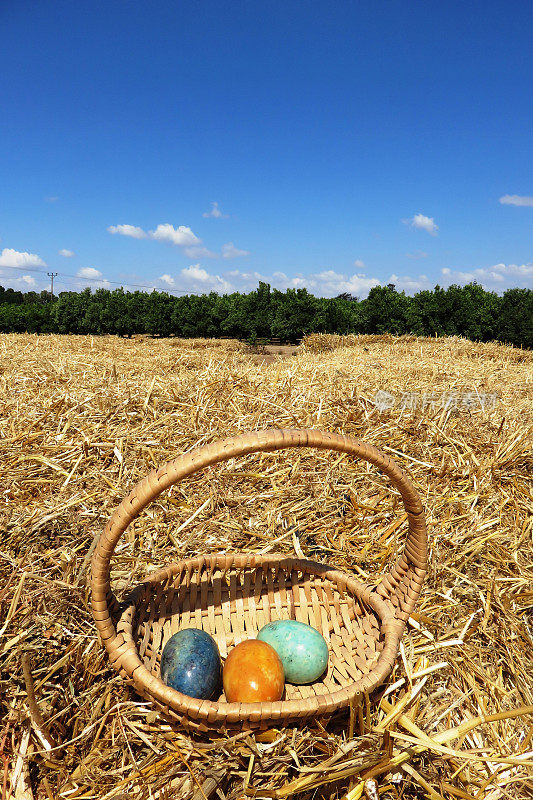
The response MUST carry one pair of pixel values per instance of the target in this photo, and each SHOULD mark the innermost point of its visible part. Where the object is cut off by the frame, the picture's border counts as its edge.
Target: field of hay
(82, 419)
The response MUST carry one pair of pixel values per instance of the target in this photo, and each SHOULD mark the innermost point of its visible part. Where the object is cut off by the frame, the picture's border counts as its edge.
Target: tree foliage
(468, 311)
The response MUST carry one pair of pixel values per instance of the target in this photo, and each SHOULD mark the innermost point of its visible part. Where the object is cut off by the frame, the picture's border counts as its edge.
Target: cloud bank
(327, 283)
(330, 283)
(195, 274)
(499, 276)
(94, 276)
(409, 285)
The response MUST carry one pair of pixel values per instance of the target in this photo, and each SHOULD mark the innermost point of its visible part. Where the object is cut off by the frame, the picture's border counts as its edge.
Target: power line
(104, 280)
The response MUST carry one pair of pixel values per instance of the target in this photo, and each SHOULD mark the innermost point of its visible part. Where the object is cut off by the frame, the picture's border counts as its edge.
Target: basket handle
(400, 588)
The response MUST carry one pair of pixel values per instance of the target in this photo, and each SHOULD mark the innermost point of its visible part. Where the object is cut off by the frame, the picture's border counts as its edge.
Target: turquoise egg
(302, 649)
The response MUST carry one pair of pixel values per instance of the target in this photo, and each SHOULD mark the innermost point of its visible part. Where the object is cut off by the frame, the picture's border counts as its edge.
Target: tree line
(468, 311)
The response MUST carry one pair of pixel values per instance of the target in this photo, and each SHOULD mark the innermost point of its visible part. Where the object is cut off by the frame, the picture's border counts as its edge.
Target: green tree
(385, 311)
(427, 313)
(158, 309)
(11, 297)
(516, 318)
(69, 310)
(25, 318)
(116, 316)
(295, 314)
(471, 312)
(342, 315)
(468, 311)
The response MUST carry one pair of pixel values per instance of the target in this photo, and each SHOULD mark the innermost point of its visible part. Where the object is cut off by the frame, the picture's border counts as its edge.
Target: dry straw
(82, 420)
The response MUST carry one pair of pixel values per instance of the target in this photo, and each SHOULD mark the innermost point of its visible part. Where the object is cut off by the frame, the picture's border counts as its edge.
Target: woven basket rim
(329, 701)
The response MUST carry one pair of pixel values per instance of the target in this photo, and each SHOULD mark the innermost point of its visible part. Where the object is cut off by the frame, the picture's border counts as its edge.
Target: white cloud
(417, 254)
(197, 274)
(128, 230)
(14, 258)
(215, 212)
(23, 283)
(199, 252)
(327, 283)
(423, 223)
(359, 264)
(246, 276)
(51, 199)
(499, 276)
(405, 283)
(522, 270)
(93, 276)
(330, 283)
(66, 253)
(230, 251)
(182, 236)
(88, 272)
(168, 279)
(516, 200)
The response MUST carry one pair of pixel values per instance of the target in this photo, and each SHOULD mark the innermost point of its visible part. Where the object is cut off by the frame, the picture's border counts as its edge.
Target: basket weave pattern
(231, 596)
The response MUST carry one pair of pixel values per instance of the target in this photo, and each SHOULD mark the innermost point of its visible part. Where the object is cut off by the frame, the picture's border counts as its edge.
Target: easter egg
(190, 663)
(253, 673)
(302, 649)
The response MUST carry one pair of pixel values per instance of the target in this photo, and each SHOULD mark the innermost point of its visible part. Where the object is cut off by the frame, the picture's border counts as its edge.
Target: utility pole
(52, 275)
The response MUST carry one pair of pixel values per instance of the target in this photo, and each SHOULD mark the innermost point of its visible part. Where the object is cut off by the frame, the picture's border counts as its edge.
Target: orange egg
(253, 672)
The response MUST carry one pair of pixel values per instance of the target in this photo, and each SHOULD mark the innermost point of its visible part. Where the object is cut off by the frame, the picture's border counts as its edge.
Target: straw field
(82, 419)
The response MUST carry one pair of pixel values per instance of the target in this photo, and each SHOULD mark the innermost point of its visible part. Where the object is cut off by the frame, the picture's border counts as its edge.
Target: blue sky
(207, 145)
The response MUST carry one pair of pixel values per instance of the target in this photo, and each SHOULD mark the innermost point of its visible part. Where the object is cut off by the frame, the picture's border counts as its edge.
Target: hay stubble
(82, 419)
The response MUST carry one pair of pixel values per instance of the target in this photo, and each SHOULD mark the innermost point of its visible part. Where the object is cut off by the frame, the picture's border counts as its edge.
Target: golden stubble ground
(82, 419)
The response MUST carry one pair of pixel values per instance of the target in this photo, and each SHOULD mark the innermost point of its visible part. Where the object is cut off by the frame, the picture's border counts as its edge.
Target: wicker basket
(231, 596)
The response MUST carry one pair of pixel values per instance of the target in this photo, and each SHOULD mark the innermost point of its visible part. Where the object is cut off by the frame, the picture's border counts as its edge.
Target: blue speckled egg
(191, 664)
(302, 649)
